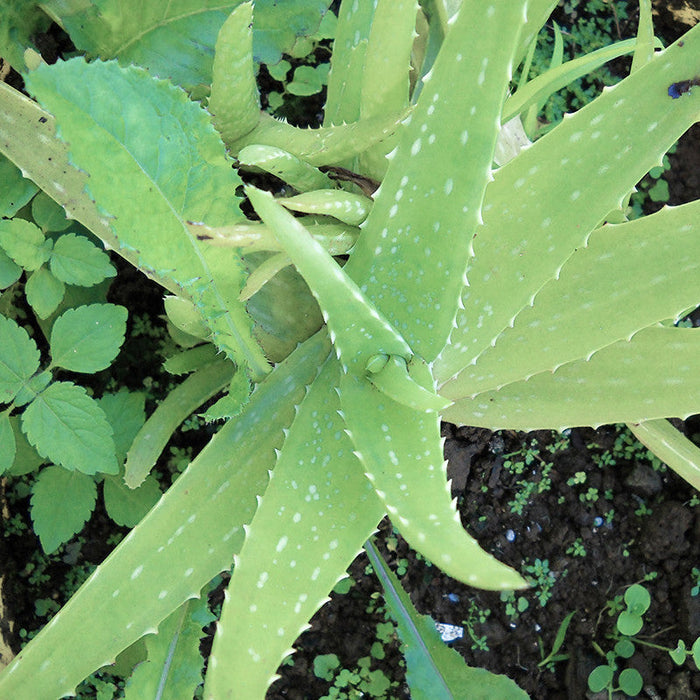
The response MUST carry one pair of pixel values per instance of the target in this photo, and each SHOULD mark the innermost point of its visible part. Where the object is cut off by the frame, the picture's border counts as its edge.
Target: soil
(652, 536)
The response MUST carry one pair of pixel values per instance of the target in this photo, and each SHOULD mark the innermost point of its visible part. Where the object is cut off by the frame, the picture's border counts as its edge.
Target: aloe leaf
(590, 161)
(311, 523)
(429, 224)
(401, 451)
(174, 666)
(111, 118)
(356, 329)
(347, 207)
(628, 277)
(653, 375)
(234, 101)
(433, 670)
(179, 403)
(187, 538)
(672, 447)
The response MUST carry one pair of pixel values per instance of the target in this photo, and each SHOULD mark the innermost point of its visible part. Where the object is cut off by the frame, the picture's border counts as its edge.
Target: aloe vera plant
(495, 297)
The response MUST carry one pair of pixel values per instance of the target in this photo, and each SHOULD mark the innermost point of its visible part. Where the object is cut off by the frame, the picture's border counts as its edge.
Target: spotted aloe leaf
(590, 161)
(604, 293)
(401, 451)
(629, 381)
(316, 514)
(189, 536)
(110, 117)
(428, 225)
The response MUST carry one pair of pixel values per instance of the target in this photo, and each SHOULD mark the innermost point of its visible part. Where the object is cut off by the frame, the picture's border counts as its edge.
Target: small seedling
(553, 657)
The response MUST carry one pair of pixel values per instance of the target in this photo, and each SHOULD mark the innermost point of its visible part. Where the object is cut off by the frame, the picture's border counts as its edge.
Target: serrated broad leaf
(19, 358)
(61, 504)
(8, 448)
(16, 190)
(77, 260)
(20, 20)
(126, 414)
(68, 427)
(128, 506)
(10, 271)
(112, 118)
(24, 242)
(434, 671)
(48, 215)
(44, 292)
(191, 535)
(27, 459)
(87, 338)
(174, 666)
(311, 523)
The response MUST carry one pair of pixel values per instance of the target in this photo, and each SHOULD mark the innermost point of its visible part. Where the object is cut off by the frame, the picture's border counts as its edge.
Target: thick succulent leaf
(653, 375)
(181, 402)
(401, 450)
(188, 537)
(112, 119)
(545, 203)
(430, 227)
(311, 523)
(345, 206)
(671, 446)
(433, 670)
(628, 277)
(234, 101)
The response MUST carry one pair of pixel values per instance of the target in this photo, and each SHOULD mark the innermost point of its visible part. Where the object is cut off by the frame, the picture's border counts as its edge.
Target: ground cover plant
(517, 343)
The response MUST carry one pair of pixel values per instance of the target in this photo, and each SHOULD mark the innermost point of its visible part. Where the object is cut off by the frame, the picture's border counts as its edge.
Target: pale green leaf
(68, 427)
(77, 260)
(10, 271)
(88, 338)
(16, 190)
(61, 504)
(44, 292)
(433, 670)
(48, 215)
(24, 242)
(8, 448)
(174, 666)
(189, 360)
(177, 549)
(128, 506)
(182, 401)
(19, 358)
(126, 414)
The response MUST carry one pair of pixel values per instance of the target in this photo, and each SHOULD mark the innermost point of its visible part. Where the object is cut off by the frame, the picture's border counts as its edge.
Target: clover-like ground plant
(506, 296)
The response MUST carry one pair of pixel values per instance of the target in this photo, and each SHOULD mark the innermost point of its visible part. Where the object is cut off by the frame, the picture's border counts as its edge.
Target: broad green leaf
(68, 427)
(311, 523)
(126, 414)
(88, 338)
(187, 538)
(428, 225)
(128, 506)
(112, 118)
(670, 446)
(174, 666)
(16, 190)
(8, 448)
(48, 215)
(10, 271)
(401, 452)
(181, 402)
(24, 242)
(433, 670)
(545, 203)
(61, 504)
(20, 20)
(27, 459)
(234, 101)
(308, 80)
(44, 292)
(35, 385)
(19, 358)
(629, 276)
(77, 260)
(653, 375)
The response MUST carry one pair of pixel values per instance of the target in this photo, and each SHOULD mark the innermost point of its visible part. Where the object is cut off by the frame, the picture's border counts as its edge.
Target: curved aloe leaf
(401, 451)
(590, 161)
(111, 118)
(671, 446)
(311, 523)
(192, 534)
(431, 226)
